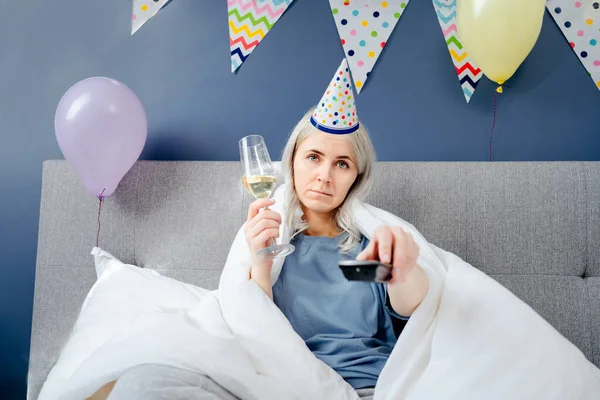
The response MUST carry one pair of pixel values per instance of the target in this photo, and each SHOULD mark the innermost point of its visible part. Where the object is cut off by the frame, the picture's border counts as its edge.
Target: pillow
(121, 293)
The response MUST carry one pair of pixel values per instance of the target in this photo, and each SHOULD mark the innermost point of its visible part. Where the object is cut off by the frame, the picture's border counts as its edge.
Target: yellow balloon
(499, 34)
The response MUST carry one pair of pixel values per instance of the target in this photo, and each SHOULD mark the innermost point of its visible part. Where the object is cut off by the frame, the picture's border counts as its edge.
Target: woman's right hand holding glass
(261, 226)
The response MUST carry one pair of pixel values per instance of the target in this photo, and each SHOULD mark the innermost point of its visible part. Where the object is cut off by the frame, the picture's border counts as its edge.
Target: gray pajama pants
(160, 382)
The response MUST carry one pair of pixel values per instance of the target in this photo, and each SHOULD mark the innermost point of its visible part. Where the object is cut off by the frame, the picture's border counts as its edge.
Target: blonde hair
(344, 219)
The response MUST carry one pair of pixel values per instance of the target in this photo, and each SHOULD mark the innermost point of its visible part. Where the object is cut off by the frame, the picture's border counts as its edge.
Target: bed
(167, 215)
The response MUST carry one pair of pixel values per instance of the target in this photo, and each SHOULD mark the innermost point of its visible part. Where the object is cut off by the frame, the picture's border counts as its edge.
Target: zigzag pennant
(579, 22)
(143, 10)
(468, 73)
(249, 22)
(364, 27)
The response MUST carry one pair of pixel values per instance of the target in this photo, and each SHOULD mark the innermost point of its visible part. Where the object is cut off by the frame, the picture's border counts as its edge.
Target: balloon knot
(499, 89)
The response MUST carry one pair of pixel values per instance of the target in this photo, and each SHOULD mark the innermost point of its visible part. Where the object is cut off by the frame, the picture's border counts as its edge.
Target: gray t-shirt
(345, 324)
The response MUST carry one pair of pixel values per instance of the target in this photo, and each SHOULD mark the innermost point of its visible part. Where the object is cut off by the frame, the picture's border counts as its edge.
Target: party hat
(336, 112)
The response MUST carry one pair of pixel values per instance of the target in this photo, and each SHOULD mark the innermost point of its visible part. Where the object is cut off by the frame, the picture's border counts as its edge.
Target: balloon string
(499, 90)
(493, 121)
(99, 210)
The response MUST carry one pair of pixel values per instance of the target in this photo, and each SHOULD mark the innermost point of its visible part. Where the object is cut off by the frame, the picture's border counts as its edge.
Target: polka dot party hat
(336, 112)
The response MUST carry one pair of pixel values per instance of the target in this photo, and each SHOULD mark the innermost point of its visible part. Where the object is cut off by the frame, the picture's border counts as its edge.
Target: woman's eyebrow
(343, 157)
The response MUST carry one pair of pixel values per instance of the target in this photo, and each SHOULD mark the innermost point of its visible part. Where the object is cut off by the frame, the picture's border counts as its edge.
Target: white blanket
(469, 339)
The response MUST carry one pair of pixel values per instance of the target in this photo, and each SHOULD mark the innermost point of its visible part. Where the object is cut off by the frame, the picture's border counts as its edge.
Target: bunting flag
(364, 27)
(468, 73)
(143, 10)
(249, 22)
(579, 22)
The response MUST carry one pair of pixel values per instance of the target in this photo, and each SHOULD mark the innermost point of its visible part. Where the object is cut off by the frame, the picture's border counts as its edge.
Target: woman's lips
(320, 193)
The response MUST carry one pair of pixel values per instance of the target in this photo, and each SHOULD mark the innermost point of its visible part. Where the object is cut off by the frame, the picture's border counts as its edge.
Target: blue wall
(179, 65)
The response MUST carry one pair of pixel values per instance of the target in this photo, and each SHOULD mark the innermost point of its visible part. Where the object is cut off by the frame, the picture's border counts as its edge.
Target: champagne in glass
(259, 186)
(259, 180)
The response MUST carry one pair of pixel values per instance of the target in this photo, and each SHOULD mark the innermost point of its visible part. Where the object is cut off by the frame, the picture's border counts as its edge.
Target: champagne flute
(259, 180)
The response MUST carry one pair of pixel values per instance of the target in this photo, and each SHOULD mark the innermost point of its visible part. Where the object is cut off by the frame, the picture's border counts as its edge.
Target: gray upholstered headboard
(534, 226)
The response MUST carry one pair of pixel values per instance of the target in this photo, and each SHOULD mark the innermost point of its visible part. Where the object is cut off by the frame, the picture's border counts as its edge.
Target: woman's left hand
(394, 246)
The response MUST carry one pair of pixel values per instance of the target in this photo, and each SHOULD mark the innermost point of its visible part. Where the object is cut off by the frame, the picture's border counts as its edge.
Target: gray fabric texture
(161, 382)
(366, 393)
(592, 185)
(533, 226)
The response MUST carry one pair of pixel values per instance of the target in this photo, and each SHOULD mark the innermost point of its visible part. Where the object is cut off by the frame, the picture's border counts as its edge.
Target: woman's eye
(342, 164)
(312, 157)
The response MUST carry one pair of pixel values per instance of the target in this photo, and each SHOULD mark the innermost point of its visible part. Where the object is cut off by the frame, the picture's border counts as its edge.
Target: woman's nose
(324, 175)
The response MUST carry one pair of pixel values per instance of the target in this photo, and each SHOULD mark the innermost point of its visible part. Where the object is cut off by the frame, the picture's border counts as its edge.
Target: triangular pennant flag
(364, 27)
(579, 22)
(143, 10)
(249, 22)
(468, 73)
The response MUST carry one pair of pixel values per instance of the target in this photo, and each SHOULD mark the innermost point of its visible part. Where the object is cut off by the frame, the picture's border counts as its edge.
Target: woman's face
(324, 170)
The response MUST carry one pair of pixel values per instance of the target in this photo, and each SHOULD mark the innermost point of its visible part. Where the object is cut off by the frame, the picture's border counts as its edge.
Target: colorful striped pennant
(249, 22)
(468, 73)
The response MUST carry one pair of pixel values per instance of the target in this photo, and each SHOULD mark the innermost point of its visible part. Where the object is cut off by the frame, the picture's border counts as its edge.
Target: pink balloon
(101, 128)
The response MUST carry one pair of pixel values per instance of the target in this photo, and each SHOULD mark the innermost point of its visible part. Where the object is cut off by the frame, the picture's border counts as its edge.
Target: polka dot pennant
(143, 10)
(579, 21)
(364, 27)
(336, 111)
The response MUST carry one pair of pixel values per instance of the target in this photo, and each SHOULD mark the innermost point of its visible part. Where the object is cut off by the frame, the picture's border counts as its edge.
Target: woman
(348, 325)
